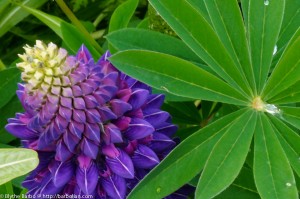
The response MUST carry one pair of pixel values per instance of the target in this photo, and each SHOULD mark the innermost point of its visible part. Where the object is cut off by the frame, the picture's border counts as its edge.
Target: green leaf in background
(228, 23)
(13, 14)
(264, 22)
(177, 76)
(16, 162)
(199, 5)
(185, 161)
(7, 188)
(8, 84)
(9, 110)
(3, 5)
(198, 34)
(74, 39)
(51, 21)
(227, 157)
(130, 38)
(121, 17)
(290, 142)
(286, 72)
(272, 172)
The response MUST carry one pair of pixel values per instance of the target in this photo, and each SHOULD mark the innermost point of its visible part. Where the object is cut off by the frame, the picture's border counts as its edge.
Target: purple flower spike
(97, 131)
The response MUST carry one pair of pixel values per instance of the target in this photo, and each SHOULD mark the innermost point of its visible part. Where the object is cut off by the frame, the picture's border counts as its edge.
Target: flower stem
(78, 24)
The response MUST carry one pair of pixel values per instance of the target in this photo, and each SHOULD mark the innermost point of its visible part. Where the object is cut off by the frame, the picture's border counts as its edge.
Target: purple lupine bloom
(97, 131)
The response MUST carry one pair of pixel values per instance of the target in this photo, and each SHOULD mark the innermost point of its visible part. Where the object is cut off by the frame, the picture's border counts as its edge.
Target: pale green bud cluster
(42, 63)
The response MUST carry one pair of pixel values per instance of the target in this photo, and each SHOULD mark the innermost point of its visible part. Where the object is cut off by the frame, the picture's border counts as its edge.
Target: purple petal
(138, 98)
(66, 102)
(112, 133)
(67, 92)
(93, 116)
(79, 103)
(106, 114)
(62, 152)
(76, 78)
(105, 56)
(121, 165)
(123, 123)
(138, 129)
(155, 101)
(65, 81)
(83, 54)
(70, 140)
(90, 101)
(144, 157)
(156, 116)
(61, 123)
(161, 142)
(87, 178)
(86, 88)
(76, 91)
(119, 107)
(110, 151)
(167, 129)
(54, 99)
(79, 116)
(55, 90)
(62, 172)
(65, 113)
(92, 131)
(76, 128)
(115, 186)
(124, 94)
(89, 148)
(21, 131)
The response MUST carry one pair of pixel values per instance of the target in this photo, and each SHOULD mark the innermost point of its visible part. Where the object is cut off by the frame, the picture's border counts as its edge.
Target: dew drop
(275, 50)
(266, 2)
(272, 109)
(288, 184)
(158, 189)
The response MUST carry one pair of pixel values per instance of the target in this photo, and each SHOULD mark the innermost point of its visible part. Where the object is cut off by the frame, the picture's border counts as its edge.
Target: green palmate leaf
(198, 34)
(185, 161)
(227, 157)
(121, 17)
(227, 20)
(264, 22)
(243, 187)
(74, 39)
(16, 162)
(290, 95)
(8, 84)
(245, 9)
(3, 6)
(290, 22)
(286, 72)
(290, 142)
(200, 6)
(291, 115)
(12, 15)
(272, 172)
(176, 76)
(130, 38)
(51, 21)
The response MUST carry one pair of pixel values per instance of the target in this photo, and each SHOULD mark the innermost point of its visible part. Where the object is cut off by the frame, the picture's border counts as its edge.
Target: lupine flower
(97, 131)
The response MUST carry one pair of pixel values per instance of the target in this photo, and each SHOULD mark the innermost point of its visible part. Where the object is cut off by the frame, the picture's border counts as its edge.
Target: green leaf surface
(272, 172)
(264, 22)
(199, 5)
(7, 188)
(290, 142)
(8, 84)
(16, 162)
(227, 157)
(51, 21)
(130, 38)
(169, 96)
(290, 22)
(3, 6)
(228, 23)
(176, 76)
(290, 95)
(286, 72)
(74, 39)
(9, 110)
(245, 10)
(197, 33)
(291, 115)
(184, 162)
(13, 14)
(121, 17)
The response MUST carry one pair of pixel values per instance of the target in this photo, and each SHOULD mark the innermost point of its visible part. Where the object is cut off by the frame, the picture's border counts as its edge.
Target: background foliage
(229, 69)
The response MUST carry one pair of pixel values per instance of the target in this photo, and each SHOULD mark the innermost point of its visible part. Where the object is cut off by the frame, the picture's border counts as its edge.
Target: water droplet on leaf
(266, 2)
(272, 109)
(275, 50)
(288, 184)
